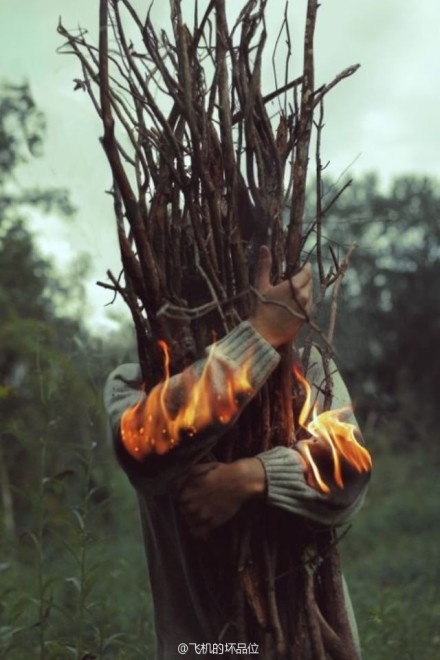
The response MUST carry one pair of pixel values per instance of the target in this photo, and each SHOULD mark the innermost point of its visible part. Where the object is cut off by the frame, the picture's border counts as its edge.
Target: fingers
(303, 276)
(197, 519)
(200, 469)
(301, 286)
(190, 511)
(264, 265)
(195, 471)
(302, 280)
(186, 496)
(191, 492)
(200, 532)
(179, 483)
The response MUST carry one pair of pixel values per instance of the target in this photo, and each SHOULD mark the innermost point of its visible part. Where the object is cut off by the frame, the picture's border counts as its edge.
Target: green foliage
(391, 560)
(22, 129)
(389, 312)
(388, 324)
(72, 576)
(63, 586)
(66, 555)
(67, 558)
(21, 126)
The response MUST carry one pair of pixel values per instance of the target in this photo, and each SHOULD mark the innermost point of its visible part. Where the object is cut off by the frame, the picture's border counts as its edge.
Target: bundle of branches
(202, 176)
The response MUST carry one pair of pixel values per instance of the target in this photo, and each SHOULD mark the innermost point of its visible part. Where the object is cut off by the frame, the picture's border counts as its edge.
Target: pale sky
(383, 119)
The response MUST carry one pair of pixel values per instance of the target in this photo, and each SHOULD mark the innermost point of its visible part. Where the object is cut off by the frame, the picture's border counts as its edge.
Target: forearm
(287, 488)
(242, 347)
(279, 477)
(252, 478)
(212, 493)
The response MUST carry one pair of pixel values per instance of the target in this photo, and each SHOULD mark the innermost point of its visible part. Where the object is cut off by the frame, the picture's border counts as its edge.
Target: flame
(337, 436)
(151, 427)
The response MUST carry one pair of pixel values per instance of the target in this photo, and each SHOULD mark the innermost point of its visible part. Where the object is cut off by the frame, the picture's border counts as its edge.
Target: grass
(391, 560)
(89, 589)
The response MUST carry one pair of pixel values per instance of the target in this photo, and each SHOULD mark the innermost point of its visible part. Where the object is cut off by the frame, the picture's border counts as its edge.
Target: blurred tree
(41, 381)
(58, 529)
(389, 317)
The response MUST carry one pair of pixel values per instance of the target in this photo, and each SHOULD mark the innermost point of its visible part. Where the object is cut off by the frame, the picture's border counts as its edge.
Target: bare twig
(337, 285)
(346, 73)
(201, 175)
(319, 212)
(300, 163)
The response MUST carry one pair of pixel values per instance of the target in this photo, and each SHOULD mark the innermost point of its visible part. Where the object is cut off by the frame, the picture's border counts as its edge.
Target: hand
(353, 481)
(210, 494)
(275, 323)
(318, 448)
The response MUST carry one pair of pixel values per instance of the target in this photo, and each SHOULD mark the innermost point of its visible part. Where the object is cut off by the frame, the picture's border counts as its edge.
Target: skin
(210, 494)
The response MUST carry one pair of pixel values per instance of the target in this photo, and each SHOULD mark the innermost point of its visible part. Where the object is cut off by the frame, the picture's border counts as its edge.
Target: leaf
(113, 638)
(48, 583)
(79, 518)
(61, 476)
(6, 631)
(76, 583)
(18, 608)
(79, 84)
(58, 650)
(28, 534)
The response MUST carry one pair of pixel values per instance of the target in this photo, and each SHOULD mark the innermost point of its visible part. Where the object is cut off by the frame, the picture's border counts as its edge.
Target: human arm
(155, 474)
(211, 493)
(276, 319)
(289, 481)
(214, 492)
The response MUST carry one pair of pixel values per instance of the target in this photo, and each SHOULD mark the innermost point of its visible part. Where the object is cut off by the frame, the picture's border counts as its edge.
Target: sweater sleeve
(123, 389)
(287, 487)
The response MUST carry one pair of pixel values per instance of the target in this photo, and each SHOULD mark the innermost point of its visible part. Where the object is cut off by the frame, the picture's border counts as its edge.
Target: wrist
(252, 477)
(262, 330)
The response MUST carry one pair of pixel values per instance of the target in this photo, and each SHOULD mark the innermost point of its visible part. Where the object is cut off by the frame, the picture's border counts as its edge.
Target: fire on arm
(323, 478)
(180, 421)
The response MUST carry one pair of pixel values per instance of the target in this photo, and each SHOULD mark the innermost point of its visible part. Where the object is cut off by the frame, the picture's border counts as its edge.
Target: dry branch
(202, 177)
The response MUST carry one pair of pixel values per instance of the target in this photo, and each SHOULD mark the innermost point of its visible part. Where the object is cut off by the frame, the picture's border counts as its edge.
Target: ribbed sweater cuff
(244, 343)
(288, 489)
(285, 475)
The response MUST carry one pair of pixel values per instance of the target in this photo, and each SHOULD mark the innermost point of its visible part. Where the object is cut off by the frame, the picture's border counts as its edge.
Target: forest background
(73, 579)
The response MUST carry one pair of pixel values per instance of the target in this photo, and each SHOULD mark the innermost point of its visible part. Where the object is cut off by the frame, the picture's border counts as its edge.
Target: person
(186, 494)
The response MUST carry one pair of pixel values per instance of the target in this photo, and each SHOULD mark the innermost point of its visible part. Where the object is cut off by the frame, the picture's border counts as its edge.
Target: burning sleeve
(333, 499)
(158, 435)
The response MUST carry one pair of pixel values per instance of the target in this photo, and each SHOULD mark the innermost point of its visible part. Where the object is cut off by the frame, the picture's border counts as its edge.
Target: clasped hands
(210, 494)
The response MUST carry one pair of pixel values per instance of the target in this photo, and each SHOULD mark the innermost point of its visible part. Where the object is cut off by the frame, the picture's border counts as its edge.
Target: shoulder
(127, 373)
(316, 375)
(123, 379)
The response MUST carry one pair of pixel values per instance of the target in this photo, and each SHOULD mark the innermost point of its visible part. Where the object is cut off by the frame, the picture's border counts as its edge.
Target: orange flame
(331, 432)
(151, 427)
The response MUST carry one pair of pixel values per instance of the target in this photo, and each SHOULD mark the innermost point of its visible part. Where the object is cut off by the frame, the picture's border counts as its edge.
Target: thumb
(264, 264)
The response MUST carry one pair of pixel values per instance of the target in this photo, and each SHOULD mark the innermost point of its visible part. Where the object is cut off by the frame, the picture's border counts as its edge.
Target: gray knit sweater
(183, 611)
